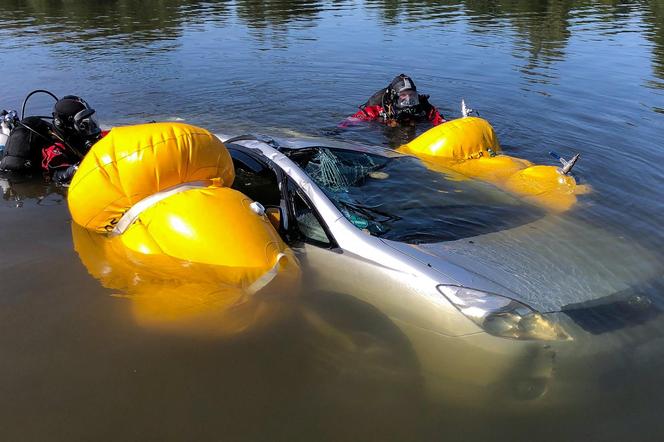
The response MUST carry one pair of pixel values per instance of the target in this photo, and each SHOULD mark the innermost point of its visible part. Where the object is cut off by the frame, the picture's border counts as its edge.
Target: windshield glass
(398, 198)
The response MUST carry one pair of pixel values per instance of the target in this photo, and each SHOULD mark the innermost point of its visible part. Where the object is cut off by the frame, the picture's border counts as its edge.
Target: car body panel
(547, 264)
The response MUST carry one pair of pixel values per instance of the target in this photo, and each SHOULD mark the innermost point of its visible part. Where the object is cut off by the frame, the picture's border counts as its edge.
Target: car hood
(549, 264)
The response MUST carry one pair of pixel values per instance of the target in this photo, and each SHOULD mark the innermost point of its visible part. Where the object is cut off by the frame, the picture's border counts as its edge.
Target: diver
(56, 148)
(75, 131)
(397, 104)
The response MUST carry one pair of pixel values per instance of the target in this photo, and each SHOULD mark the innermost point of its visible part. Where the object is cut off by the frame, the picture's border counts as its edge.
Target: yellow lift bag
(213, 225)
(180, 242)
(469, 146)
(133, 162)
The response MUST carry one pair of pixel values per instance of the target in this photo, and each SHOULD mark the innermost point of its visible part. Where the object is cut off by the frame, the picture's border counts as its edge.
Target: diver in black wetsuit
(74, 131)
(56, 148)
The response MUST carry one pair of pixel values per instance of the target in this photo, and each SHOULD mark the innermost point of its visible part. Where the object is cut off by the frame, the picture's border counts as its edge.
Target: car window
(255, 179)
(401, 199)
(307, 222)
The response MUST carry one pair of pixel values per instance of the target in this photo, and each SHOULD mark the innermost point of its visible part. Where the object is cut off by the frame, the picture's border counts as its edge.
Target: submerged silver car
(499, 300)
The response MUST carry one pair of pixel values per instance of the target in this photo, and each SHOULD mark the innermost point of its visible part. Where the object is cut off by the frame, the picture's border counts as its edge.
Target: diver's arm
(433, 115)
(57, 164)
(366, 113)
(64, 175)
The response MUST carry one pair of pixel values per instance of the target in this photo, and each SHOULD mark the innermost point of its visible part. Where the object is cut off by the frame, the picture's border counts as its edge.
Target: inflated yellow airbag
(133, 162)
(460, 139)
(187, 249)
(468, 146)
(213, 225)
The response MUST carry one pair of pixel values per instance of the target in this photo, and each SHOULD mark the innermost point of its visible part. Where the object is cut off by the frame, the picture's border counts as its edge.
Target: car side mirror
(274, 215)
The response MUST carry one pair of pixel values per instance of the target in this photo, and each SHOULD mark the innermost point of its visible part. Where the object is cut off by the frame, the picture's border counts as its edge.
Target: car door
(325, 265)
(266, 183)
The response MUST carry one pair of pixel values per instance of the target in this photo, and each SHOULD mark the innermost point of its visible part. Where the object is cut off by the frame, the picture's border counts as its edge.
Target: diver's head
(404, 92)
(405, 99)
(74, 121)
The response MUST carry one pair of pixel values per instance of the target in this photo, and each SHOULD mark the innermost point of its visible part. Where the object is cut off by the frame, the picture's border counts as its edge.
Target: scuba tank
(23, 138)
(22, 152)
(3, 140)
(7, 122)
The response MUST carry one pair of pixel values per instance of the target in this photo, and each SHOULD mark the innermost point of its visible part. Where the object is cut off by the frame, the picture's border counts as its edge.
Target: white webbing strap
(267, 277)
(134, 211)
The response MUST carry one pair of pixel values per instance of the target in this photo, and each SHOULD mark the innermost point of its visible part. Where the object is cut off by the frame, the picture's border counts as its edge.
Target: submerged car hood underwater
(551, 264)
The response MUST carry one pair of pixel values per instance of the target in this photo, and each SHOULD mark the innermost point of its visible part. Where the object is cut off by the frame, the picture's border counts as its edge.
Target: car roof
(282, 144)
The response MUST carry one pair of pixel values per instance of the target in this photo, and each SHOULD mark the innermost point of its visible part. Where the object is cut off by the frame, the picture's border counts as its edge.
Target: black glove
(64, 175)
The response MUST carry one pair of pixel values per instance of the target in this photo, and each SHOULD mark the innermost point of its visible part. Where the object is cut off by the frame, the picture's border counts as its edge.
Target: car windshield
(399, 198)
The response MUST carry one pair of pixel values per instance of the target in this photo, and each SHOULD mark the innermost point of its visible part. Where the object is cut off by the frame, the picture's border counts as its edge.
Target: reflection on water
(123, 23)
(16, 190)
(184, 297)
(278, 13)
(576, 75)
(543, 28)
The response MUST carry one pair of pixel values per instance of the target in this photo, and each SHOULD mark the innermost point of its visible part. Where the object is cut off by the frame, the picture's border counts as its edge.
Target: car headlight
(501, 316)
